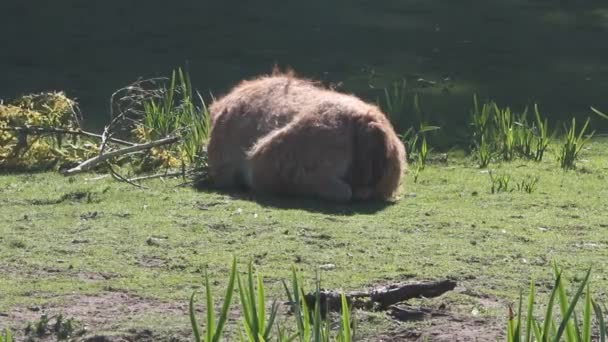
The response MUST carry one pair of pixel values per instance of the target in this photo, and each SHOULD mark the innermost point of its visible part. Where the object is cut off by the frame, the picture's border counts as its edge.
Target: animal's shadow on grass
(302, 203)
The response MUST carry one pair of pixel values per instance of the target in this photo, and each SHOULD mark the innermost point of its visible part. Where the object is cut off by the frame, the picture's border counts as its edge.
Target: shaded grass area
(515, 51)
(64, 240)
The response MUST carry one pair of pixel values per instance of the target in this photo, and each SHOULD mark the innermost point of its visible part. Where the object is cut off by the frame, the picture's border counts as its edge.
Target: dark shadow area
(287, 202)
(514, 51)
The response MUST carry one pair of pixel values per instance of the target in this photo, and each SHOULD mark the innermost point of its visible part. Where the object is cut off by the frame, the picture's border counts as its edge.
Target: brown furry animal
(283, 135)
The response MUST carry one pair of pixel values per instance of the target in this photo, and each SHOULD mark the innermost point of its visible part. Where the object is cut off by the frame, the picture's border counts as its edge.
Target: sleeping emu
(279, 134)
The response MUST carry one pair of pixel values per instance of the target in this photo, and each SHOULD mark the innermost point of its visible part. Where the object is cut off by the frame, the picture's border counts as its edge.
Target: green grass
(573, 143)
(6, 336)
(499, 132)
(178, 112)
(63, 240)
(567, 326)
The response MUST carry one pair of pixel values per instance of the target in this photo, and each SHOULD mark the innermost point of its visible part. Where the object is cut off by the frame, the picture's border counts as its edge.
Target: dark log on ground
(382, 297)
(393, 294)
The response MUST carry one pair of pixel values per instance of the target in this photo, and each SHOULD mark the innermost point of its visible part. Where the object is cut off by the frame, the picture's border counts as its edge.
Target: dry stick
(43, 130)
(140, 95)
(158, 175)
(106, 135)
(118, 177)
(92, 162)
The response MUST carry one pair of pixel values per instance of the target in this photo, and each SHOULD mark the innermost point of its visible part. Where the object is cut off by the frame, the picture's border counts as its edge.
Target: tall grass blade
(605, 116)
(6, 336)
(566, 324)
(210, 318)
(298, 306)
(518, 327)
(537, 331)
(305, 318)
(193, 322)
(577, 329)
(428, 128)
(599, 316)
(586, 336)
(542, 139)
(582, 132)
(245, 307)
(345, 330)
(563, 306)
(226, 306)
(530, 312)
(252, 304)
(317, 313)
(271, 319)
(548, 322)
(510, 325)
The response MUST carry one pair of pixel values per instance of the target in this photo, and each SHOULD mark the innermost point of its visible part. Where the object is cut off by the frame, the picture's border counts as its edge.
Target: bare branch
(158, 175)
(92, 162)
(118, 177)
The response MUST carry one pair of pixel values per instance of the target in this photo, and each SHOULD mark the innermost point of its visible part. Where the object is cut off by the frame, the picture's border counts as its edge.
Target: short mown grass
(56, 243)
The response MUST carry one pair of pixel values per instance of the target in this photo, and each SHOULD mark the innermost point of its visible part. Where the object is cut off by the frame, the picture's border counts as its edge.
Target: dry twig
(119, 177)
(92, 162)
(158, 175)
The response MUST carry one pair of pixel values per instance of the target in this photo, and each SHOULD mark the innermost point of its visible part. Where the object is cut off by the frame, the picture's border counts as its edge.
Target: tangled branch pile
(162, 125)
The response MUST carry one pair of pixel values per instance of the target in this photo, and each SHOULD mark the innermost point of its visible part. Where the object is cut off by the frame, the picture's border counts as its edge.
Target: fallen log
(393, 294)
(382, 297)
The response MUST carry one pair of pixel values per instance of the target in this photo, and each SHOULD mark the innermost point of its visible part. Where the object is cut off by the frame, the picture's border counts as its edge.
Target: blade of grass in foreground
(193, 322)
(570, 309)
(518, 328)
(210, 318)
(227, 300)
(587, 316)
(605, 116)
(345, 330)
(599, 315)
(214, 332)
(530, 312)
(6, 336)
(295, 302)
(549, 313)
(251, 297)
(563, 306)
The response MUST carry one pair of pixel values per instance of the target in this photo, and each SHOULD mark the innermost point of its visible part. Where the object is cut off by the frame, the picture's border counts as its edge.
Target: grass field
(123, 261)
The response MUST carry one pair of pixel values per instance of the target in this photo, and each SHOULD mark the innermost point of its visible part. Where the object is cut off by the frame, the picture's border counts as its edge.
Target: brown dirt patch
(446, 326)
(98, 313)
(451, 329)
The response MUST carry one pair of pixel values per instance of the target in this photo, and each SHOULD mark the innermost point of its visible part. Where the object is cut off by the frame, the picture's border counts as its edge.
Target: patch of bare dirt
(97, 313)
(445, 326)
(450, 329)
(49, 271)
